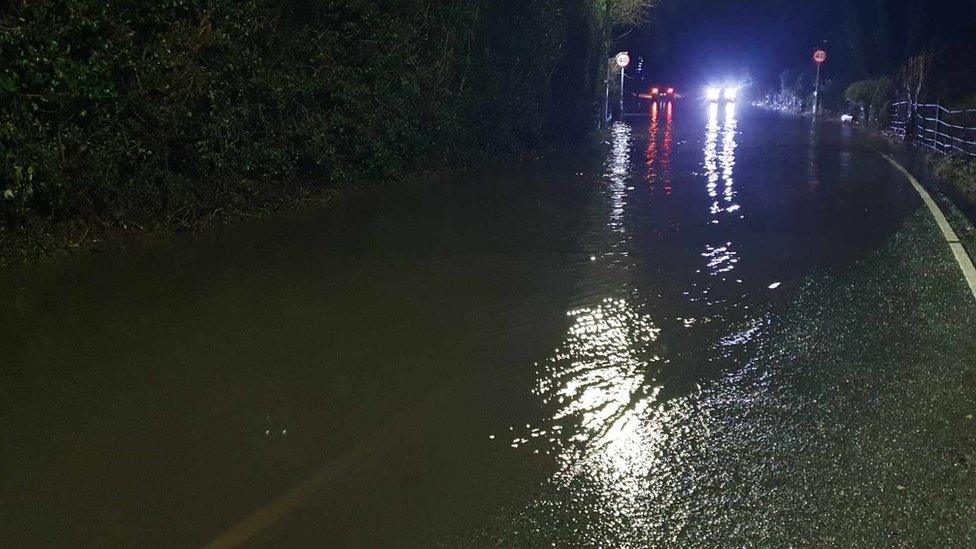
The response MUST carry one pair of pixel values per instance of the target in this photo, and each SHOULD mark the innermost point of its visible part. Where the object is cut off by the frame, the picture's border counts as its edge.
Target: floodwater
(721, 327)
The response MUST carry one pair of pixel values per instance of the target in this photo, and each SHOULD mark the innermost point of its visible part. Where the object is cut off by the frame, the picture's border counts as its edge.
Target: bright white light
(713, 94)
(730, 93)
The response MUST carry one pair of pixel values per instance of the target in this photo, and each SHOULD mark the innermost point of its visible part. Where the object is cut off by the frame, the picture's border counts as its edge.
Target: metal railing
(935, 127)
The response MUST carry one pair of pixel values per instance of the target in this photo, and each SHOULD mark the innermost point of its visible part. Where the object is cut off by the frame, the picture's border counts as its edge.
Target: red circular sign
(623, 59)
(819, 56)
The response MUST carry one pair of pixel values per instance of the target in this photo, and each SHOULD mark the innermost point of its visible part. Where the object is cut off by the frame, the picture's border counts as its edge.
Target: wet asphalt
(720, 327)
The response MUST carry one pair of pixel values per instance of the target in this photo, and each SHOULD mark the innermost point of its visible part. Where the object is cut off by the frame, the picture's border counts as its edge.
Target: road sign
(623, 59)
(819, 57)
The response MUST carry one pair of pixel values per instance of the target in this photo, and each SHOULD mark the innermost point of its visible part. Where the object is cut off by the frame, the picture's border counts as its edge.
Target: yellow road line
(958, 251)
(263, 518)
(320, 480)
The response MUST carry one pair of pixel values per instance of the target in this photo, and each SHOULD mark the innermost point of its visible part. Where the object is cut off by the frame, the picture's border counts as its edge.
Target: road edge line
(955, 246)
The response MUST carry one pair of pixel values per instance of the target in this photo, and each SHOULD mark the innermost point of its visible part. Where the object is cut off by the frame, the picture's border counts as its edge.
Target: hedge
(154, 113)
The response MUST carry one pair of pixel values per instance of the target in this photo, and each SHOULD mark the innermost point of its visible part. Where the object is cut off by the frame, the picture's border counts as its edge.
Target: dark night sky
(693, 42)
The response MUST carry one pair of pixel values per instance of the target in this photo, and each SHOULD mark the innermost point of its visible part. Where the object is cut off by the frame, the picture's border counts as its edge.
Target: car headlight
(713, 94)
(730, 93)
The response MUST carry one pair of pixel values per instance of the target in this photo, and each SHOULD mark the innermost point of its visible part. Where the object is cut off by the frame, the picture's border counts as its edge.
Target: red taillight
(670, 91)
(654, 91)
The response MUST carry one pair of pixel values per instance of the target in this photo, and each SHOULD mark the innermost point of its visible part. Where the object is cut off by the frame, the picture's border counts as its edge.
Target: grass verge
(950, 180)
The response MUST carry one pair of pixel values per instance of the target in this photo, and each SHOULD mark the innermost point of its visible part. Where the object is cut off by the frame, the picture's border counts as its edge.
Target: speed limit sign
(819, 56)
(623, 59)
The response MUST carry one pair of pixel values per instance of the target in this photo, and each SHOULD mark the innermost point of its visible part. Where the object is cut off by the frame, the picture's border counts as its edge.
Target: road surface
(722, 327)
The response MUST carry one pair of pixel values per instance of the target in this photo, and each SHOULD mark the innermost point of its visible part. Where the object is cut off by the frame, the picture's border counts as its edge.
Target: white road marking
(958, 251)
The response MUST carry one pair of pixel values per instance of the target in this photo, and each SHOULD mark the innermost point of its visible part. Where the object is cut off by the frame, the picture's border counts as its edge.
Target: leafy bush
(969, 103)
(960, 172)
(156, 113)
(872, 98)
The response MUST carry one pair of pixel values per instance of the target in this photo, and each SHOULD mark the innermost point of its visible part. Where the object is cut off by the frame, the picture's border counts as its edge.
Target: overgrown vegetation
(960, 172)
(122, 113)
(790, 97)
(871, 99)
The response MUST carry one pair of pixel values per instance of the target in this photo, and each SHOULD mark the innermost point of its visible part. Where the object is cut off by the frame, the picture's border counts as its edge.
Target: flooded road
(722, 328)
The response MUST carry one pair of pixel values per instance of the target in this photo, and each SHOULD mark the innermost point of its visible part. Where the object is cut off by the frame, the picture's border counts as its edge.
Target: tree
(628, 12)
(915, 73)
(854, 38)
(870, 97)
(859, 95)
(868, 36)
(912, 77)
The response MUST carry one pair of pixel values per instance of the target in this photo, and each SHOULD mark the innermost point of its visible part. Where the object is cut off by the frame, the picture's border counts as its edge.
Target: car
(719, 94)
(660, 93)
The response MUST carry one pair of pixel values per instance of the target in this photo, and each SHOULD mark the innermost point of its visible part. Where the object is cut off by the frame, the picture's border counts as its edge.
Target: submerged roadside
(949, 180)
(41, 238)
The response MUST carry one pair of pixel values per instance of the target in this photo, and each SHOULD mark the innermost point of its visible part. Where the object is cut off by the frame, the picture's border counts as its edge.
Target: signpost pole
(816, 93)
(622, 70)
(622, 59)
(819, 57)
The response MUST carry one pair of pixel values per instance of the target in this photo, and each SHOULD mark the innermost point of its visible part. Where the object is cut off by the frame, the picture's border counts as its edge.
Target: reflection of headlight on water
(598, 383)
(618, 170)
(712, 118)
